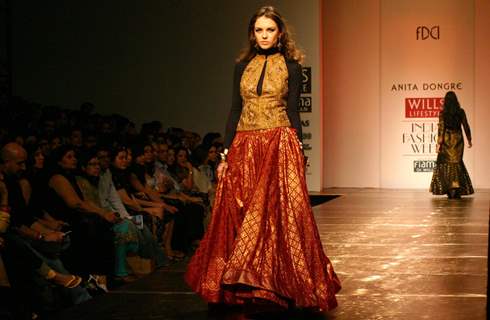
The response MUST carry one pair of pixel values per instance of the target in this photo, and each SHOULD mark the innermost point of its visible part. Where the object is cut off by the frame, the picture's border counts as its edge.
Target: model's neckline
(267, 52)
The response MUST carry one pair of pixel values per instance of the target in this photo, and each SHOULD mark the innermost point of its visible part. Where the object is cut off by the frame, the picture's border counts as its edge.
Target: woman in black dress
(450, 175)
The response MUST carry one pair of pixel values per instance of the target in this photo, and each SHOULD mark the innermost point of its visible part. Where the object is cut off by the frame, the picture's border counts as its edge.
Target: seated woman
(125, 232)
(127, 186)
(92, 237)
(203, 173)
(144, 180)
(163, 183)
(111, 200)
(182, 169)
(33, 183)
(179, 185)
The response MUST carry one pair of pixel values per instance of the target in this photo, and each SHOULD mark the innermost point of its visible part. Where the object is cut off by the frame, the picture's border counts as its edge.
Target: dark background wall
(166, 60)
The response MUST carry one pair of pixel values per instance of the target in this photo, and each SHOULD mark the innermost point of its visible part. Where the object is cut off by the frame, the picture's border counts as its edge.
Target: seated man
(28, 268)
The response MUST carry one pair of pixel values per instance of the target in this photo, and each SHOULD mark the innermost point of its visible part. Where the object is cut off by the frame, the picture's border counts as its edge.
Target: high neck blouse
(266, 93)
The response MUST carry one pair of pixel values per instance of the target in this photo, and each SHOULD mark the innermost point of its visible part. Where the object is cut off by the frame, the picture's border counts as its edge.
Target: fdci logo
(424, 33)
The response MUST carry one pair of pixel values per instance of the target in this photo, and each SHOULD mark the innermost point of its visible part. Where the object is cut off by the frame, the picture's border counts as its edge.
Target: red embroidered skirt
(262, 242)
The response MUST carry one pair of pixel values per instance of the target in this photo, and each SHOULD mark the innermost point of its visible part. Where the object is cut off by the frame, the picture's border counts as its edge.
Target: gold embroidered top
(267, 110)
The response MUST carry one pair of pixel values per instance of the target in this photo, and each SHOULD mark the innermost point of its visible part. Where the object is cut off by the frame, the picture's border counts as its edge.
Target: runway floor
(400, 254)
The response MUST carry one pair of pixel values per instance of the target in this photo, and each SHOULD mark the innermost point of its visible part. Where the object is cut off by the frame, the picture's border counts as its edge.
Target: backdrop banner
(427, 49)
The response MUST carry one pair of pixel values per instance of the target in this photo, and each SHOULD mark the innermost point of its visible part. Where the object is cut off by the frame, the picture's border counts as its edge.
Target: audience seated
(80, 192)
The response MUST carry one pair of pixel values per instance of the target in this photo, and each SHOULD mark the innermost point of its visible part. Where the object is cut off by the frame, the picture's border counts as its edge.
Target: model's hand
(221, 169)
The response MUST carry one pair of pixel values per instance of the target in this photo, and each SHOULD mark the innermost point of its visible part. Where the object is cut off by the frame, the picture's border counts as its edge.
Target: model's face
(266, 32)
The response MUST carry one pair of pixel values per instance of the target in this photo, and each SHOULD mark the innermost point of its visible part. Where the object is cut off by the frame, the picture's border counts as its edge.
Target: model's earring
(256, 46)
(279, 44)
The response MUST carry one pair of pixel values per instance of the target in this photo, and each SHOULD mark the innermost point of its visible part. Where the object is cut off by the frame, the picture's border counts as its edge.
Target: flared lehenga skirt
(450, 171)
(262, 242)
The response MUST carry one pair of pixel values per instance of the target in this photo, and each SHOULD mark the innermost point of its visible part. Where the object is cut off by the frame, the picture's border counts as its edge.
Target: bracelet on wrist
(224, 154)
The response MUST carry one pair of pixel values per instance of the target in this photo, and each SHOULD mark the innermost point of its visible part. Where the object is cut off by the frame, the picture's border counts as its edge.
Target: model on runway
(450, 176)
(262, 243)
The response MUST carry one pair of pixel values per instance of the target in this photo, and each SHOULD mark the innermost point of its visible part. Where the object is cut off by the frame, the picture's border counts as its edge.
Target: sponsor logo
(420, 138)
(424, 33)
(423, 165)
(304, 104)
(306, 81)
(305, 123)
(423, 107)
(307, 136)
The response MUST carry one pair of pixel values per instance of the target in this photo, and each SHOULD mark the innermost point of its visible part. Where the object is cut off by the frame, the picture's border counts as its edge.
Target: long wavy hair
(285, 45)
(451, 113)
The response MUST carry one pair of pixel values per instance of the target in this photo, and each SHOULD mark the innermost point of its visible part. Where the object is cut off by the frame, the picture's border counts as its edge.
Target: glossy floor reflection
(400, 255)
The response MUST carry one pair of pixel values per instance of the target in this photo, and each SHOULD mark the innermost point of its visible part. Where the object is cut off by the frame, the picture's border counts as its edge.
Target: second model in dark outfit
(450, 176)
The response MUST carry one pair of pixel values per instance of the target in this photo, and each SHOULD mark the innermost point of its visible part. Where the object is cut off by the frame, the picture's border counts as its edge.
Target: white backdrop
(375, 67)
(427, 48)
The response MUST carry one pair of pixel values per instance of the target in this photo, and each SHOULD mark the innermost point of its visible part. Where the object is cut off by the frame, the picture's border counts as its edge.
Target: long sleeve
(109, 197)
(116, 203)
(294, 90)
(440, 129)
(466, 126)
(236, 105)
